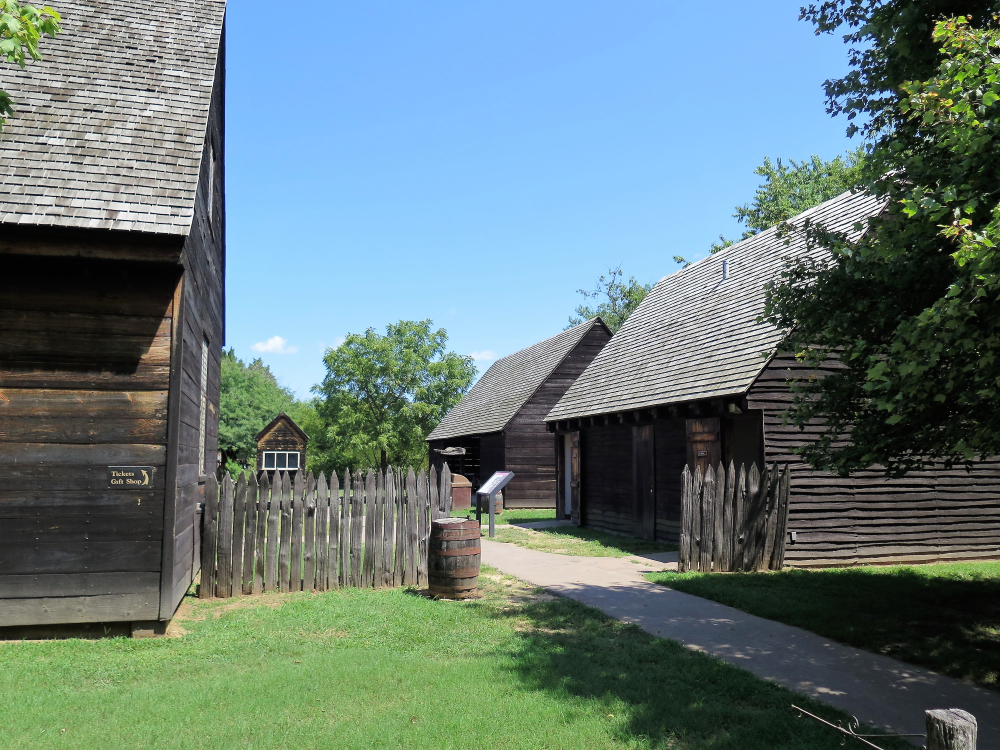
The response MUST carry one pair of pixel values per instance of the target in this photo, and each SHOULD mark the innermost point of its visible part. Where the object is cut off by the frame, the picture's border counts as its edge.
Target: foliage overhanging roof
(110, 126)
(508, 384)
(696, 336)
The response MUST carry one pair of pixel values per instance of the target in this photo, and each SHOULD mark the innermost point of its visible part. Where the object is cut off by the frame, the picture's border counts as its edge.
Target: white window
(203, 406)
(281, 460)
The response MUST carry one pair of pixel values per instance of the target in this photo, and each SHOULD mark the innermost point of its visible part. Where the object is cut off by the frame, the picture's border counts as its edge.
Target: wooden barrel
(453, 558)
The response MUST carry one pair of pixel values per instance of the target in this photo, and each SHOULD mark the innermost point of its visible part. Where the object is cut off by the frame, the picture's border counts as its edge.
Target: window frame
(275, 467)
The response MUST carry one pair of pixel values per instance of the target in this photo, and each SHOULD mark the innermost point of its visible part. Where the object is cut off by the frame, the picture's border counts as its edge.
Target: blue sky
(478, 162)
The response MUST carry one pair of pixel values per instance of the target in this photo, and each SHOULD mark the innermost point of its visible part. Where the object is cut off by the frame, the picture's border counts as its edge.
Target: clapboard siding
(202, 319)
(530, 449)
(606, 478)
(84, 358)
(929, 515)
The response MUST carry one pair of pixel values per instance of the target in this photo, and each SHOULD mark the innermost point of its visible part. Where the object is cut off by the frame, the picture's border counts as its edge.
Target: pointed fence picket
(733, 521)
(307, 534)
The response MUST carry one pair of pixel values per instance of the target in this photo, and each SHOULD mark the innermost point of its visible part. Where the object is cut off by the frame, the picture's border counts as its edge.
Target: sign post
(493, 485)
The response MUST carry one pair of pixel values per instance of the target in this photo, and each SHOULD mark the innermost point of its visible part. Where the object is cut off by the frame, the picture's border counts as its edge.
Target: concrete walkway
(878, 690)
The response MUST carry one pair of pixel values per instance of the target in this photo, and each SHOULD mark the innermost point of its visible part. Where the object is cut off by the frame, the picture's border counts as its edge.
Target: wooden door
(573, 438)
(643, 472)
(704, 444)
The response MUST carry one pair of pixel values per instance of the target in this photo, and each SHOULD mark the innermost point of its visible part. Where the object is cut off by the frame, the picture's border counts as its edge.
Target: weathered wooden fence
(733, 521)
(307, 534)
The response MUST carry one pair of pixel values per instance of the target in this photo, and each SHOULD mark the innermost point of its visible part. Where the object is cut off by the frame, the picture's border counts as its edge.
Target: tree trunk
(385, 460)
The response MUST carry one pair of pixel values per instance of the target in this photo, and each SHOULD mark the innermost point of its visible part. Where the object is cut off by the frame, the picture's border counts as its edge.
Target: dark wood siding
(491, 459)
(530, 448)
(466, 465)
(606, 477)
(84, 376)
(671, 453)
(202, 319)
(926, 516)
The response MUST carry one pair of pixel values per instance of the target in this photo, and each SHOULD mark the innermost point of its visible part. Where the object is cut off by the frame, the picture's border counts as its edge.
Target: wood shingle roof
(696, 336)
(109, 128)
(508, 384)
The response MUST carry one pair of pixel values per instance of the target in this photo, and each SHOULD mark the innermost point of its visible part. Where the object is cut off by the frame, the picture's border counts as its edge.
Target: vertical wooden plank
(224, 582)
(388, 528)
(309, 542)
(410, 563)
(285, 534)
(782, 537)
(357, 527)
(345, 529)
(250, 539)
(295, 555)
(263, 500)
(444, 493)
(718, 515)
(273, 535)
(210, 539)
(400, 561)
(423, 527)
(752, 497)
(724, 547)
(739, 519)
(333, 553)
(379, 572)
(368, 561)
(322, 530)
(707, 520)
(684, 543)
(696, 488)
(951, 729)
(239, 532)
(767, 481)
(771, 523)
(432, 491)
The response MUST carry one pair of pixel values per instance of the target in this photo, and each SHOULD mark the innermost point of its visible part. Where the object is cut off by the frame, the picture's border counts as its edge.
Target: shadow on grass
(945, 617)
(655, 692)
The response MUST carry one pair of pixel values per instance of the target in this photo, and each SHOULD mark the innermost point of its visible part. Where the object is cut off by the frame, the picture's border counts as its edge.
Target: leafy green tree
(21, 28)
(615, 298)
(382, 395)
(250, 398)
(911, 309)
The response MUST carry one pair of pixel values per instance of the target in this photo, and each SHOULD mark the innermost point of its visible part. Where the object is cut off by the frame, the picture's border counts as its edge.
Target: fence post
(322, 531)
(368, 561)
(263, 498)
(224, 581)
(695, 554)
(250, 539)
(707, 521)
(239, 530)
(273, 522)
(951, 729)
(285, 534)
(309, 550)
(725, 555)
(410, 563)
(333, 551)
(444, 494)
(210, 536)
(684, 546)
(388, 526)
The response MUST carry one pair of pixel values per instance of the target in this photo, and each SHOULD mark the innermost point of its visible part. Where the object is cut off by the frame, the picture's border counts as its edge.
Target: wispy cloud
(274, 345)
(484, 356)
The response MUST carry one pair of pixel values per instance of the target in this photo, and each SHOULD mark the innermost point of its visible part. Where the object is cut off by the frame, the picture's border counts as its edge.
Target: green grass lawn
(512, 515)
(572, 540)
(374, 669)
(945, 617)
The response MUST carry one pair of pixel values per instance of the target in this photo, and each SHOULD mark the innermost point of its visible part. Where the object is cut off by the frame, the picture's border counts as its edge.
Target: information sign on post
(493, 485)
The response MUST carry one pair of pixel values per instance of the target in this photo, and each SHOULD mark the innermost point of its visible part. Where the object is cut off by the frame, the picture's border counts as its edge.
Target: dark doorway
(643, 471)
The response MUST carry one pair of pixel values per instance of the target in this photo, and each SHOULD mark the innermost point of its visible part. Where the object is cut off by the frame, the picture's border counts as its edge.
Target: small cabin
(112, 312)
(499, 425)
(281, 446)
(693, 378)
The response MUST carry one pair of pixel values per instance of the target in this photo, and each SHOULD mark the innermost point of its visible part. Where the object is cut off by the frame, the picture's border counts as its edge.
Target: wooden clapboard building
(499, 424)
(281, 446)
(112, 235)
(692, 378)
